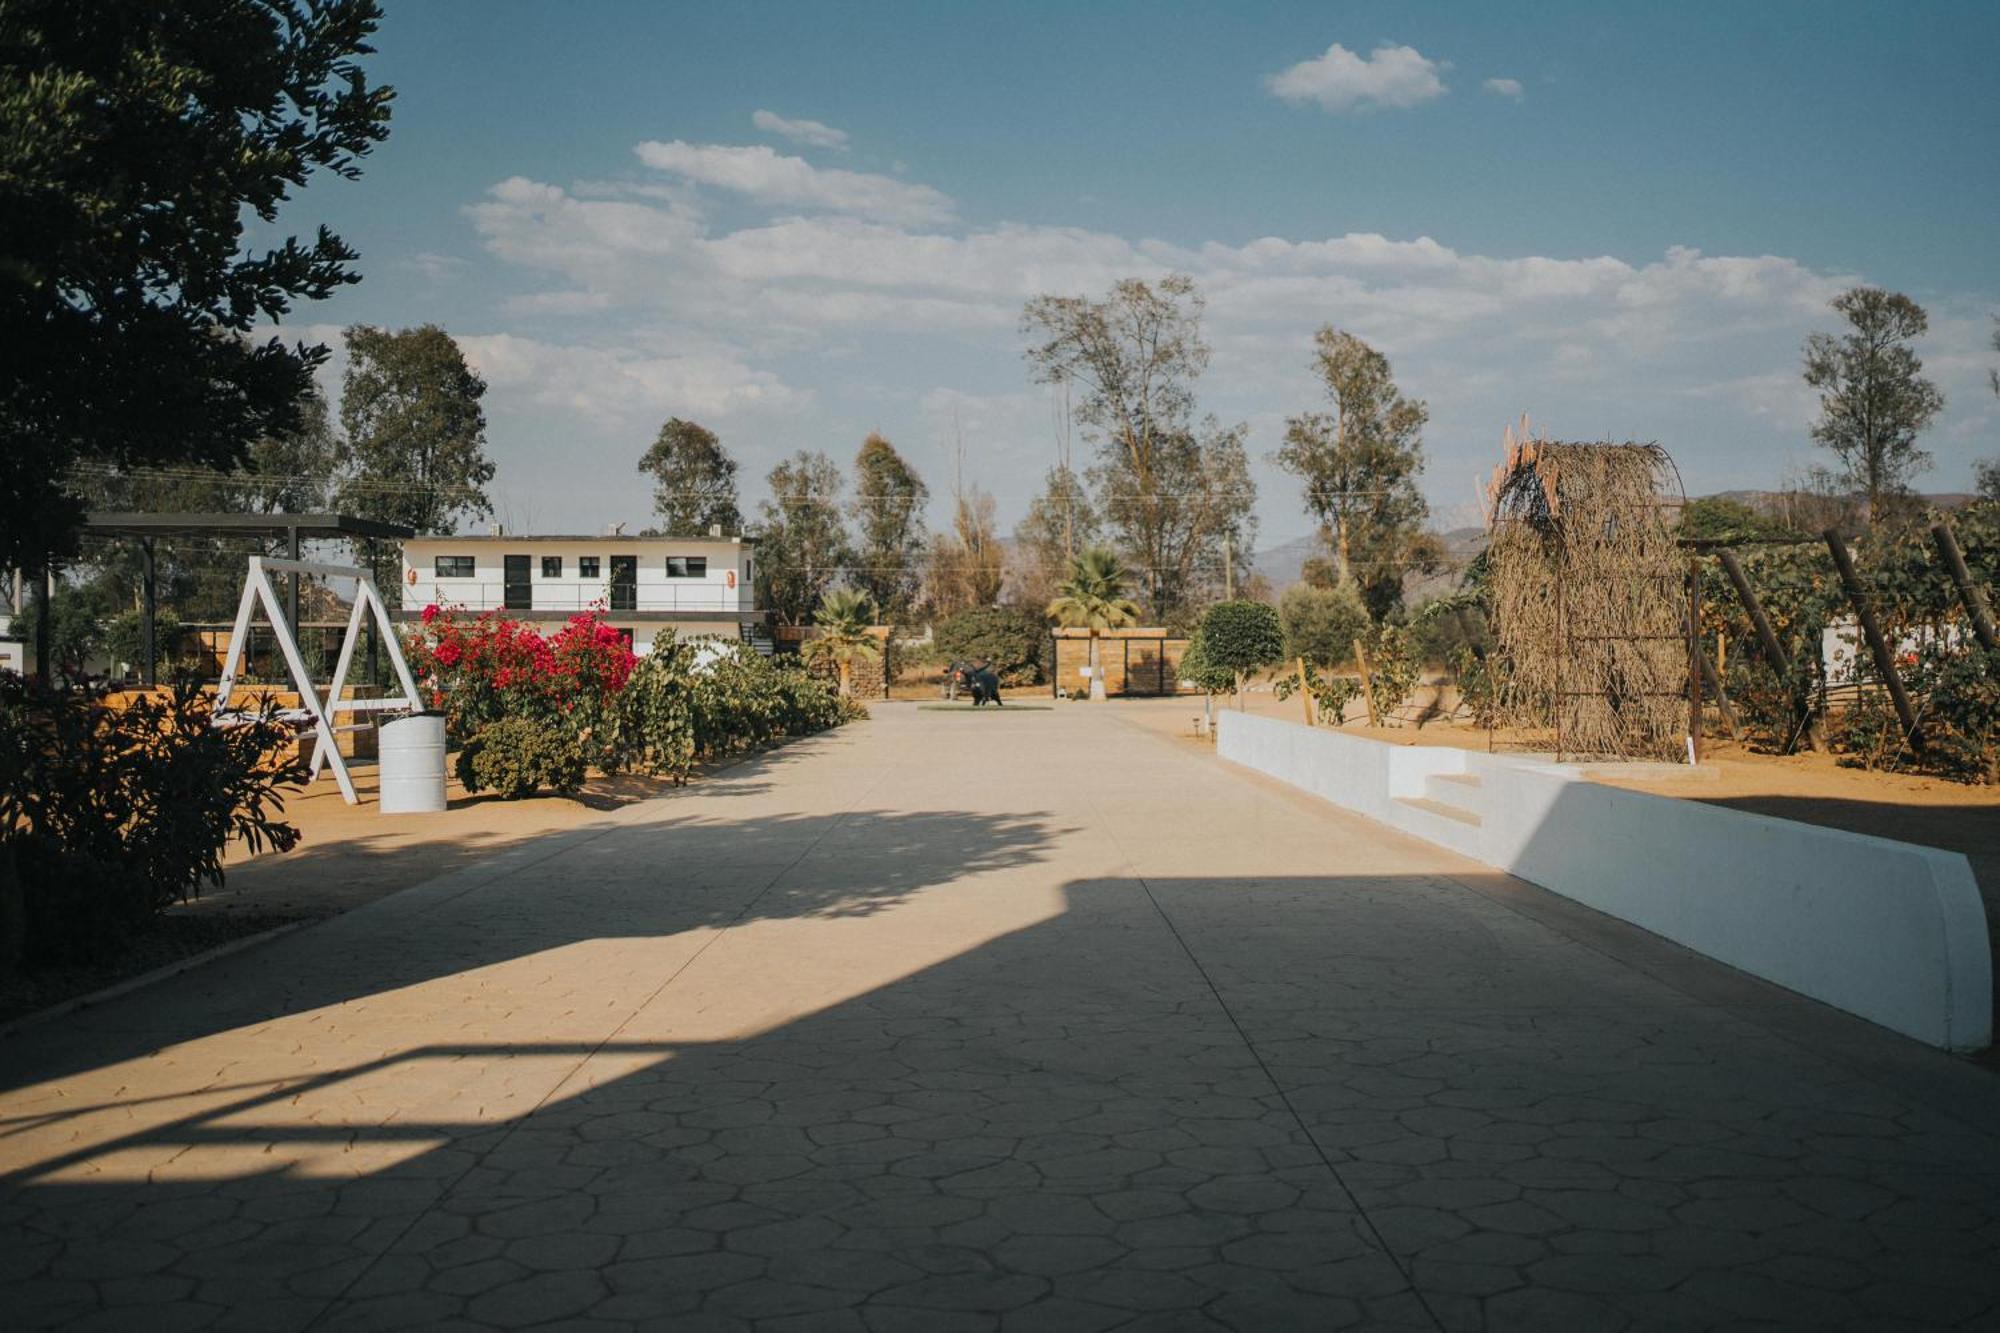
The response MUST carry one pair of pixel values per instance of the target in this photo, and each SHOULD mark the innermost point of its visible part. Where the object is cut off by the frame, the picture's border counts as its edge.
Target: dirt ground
(353, 854)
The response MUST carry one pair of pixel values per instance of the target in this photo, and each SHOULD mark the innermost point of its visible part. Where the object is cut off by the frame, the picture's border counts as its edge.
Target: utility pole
(1228, 570)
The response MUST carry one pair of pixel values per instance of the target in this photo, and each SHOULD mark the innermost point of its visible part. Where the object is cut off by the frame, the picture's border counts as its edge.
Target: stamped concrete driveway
(961, 1021)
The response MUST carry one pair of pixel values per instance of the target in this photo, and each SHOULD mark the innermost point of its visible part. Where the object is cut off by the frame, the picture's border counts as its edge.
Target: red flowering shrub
(486, 668)
(528, 711)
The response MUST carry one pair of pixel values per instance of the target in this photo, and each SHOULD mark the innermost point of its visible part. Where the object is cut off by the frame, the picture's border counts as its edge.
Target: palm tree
(842, 622)
(1093, 598)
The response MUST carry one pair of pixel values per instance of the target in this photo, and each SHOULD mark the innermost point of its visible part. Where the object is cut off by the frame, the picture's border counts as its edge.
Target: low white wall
(1892, 932)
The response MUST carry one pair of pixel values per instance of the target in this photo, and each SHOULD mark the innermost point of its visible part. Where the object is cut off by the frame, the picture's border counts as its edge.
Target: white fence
(1892, 932)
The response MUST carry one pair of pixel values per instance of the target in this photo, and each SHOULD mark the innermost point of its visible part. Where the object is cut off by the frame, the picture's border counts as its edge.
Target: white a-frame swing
(257, 588)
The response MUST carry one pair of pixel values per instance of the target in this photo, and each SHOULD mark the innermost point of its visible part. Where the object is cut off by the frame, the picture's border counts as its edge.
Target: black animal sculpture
(979, 679)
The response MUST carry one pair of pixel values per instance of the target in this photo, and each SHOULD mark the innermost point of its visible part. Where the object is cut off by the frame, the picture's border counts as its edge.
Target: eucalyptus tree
(966, 565)
(888, 513)
(802, 542)
(694, 480)
(1873, 398)
(1060, 521)
(415, 450)
(1172, 494)
(1359, 464)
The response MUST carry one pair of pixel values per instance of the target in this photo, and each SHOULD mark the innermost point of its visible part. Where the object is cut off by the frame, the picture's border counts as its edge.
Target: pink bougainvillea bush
(478, 670)
(530, 711)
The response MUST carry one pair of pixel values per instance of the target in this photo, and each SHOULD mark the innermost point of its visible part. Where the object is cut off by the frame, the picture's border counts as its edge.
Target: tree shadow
(1344, 1107)
(682, 872)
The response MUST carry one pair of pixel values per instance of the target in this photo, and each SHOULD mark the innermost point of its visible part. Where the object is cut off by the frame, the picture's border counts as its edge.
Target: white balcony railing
(477, 595)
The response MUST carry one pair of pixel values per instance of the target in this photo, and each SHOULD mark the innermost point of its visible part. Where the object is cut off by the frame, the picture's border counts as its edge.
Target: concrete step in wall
(1458, 814)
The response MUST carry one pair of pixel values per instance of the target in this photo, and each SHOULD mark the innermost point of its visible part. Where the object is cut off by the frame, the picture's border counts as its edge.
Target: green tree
(140, 141)
(201, 574)
(1189, 515)
(77, 617)
(1718, 519)
(840, 632)
(1060, 522)
(1093, 598)
(888, 512)
(1360, 465)
(416, 434)
(1873, 398)
(694, 480)
(803, 544)
(1010, 640)
(1171, 493)
(1320, 625)
(1240, 637)
(1196, 669)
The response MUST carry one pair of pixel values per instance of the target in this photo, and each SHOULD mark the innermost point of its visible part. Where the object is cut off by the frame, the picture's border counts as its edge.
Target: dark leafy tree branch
(136, 140)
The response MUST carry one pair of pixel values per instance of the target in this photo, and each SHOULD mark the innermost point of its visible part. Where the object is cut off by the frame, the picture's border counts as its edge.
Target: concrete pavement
(950, 1020)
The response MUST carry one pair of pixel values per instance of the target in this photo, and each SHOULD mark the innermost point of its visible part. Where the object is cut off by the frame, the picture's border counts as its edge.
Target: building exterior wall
(727, 585)
(1134, 661)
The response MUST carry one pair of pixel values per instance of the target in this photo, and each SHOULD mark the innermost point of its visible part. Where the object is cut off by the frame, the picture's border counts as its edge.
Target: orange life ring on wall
(410, 577)
(728, 578)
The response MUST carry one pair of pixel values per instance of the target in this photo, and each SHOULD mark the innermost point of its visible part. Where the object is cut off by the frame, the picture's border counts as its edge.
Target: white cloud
(1505, 88)
(1340, 80)
(433, 267)
(906, 324)
(626, 386)
(809, 132)
(769, 177)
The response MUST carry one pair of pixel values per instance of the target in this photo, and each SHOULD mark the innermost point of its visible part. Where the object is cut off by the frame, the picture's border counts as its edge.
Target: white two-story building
(692, 585)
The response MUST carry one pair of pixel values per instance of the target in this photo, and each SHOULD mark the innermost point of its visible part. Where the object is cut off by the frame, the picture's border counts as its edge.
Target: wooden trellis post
(1968, 592)
(1878, 646)
(1767, 637)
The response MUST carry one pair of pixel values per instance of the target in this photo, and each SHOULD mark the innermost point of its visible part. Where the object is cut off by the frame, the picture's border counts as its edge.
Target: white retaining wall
(1892, 932)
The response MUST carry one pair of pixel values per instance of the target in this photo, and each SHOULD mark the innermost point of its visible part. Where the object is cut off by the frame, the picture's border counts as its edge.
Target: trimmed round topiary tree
(1240, 637)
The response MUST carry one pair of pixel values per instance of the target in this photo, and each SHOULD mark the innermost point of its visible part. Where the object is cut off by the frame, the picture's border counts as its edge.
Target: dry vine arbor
(1590, 597)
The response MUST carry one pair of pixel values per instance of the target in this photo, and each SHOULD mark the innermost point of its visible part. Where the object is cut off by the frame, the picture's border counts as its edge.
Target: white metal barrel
(412, 756)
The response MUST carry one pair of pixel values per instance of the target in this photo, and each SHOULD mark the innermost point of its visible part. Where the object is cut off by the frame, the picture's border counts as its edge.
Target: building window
(454, 566)
(586, 566)
(551, 566)
(687, 566)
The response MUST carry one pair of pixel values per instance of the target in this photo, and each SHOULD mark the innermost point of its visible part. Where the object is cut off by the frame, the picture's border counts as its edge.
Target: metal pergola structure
(148, 529)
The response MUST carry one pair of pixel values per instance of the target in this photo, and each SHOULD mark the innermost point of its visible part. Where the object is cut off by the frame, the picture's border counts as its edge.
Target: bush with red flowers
(582, 691)
(482, 669)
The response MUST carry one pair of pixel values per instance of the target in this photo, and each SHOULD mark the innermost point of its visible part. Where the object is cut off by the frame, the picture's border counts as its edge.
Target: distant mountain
(1280, 564)
(1768, 501)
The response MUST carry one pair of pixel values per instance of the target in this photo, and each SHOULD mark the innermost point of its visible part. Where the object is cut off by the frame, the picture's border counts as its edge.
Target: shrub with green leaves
(1393, 670)
(109, 814)
(651, 725)
(1013, 641)
(1321, 624)
(1330, 693)
(1197, 670)
(518, 756)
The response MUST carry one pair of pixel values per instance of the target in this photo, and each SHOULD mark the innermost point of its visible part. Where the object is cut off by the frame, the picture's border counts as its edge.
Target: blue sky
(797, 224)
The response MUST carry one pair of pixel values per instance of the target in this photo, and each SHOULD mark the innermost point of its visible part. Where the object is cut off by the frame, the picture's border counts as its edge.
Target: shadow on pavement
(1275, 1103)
